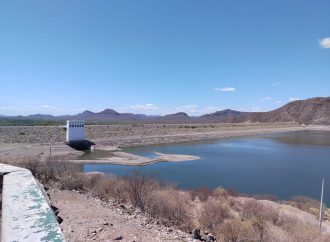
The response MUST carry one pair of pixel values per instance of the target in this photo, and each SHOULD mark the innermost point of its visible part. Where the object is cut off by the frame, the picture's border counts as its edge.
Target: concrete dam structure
(75, 130)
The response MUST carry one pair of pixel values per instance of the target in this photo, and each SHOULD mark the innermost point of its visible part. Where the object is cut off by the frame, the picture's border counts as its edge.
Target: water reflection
(308, 137)
(283, 164)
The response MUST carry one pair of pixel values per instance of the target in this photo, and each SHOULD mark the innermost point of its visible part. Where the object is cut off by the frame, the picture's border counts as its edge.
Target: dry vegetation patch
(171, 207)
(227, 217)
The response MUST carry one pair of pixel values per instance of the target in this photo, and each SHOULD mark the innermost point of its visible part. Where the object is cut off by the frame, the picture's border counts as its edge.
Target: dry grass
(72, 181)
(107, 188)
(309, 205)
(236, 230)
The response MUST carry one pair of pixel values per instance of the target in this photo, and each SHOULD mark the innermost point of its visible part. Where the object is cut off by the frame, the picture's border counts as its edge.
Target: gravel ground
(129, 134)
(89, 219)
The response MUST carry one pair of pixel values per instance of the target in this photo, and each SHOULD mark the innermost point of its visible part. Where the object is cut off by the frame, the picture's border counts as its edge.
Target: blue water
(283, 164)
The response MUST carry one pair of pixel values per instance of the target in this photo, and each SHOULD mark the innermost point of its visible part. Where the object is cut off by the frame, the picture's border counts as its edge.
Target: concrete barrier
(26, 214)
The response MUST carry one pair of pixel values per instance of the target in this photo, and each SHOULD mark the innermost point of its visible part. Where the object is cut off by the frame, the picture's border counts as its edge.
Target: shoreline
(127, 142)
(128, 159)
(11, 151)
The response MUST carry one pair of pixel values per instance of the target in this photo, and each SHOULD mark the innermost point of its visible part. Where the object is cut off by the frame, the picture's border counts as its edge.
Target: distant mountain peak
(181, 114)
(109, 112)
(87, 112)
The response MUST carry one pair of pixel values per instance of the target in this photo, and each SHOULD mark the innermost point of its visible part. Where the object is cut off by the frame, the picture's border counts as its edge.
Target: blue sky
(159, 57)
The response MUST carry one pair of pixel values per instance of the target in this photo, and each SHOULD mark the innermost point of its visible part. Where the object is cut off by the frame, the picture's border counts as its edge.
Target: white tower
(75, 130)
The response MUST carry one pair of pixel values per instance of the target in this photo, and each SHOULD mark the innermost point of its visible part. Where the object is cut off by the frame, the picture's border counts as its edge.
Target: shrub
(170, 207)
(305, 233)
(255, 209)
(297, 229)
(236, 230)
(108, 187)
(259, 215)
(230, 230)
(70, 180)
(202, 193)
(138, 187)
(31, 163)
(219, 192)
(213, 213)
(93, 180)
(234, 193)
(44, 171)
(50, 170)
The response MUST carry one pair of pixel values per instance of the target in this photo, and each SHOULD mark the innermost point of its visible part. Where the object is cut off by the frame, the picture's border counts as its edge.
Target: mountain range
(309, 111)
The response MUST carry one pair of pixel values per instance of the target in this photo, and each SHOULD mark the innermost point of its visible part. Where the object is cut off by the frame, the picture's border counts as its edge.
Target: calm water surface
(284, 164)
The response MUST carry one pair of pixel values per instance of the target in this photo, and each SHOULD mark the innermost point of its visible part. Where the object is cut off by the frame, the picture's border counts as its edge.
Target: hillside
(309, 111)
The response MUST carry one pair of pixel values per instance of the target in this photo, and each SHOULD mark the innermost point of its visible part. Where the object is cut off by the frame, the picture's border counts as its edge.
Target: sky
(160, 57)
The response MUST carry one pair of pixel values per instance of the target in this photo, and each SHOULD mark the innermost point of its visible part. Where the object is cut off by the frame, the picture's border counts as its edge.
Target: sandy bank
(123, 158)
(17, 151)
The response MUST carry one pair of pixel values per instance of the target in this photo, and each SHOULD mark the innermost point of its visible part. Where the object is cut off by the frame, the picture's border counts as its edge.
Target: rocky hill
(309, 111)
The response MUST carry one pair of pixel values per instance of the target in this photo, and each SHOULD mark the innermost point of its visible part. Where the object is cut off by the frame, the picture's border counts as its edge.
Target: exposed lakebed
(283, 164)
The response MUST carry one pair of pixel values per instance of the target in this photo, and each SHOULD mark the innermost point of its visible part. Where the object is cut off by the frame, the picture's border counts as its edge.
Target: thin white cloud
(48, 107)
(291, 99)
(276, 84)
(144, 107)
(225, 89)
(270, 99)
(188, 108)
(265, 99)
(325, 43)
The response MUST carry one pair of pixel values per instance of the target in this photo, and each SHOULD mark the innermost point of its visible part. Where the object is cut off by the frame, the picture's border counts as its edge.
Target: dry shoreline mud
(123, 158)
(111, 137)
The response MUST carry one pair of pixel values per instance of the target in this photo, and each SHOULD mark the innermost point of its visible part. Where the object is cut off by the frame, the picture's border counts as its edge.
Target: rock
(122, 206)
(99, 229)
(106, 223)
(119, 238)
(71, 229)
(210, 238)
(196, 234)
(170, 230)
(59, 219)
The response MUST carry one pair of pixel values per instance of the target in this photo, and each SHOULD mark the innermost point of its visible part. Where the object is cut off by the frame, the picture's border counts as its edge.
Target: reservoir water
(283, 164)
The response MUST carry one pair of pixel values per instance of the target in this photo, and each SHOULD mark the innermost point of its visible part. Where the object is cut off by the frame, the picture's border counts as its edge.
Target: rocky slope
(309, 111)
